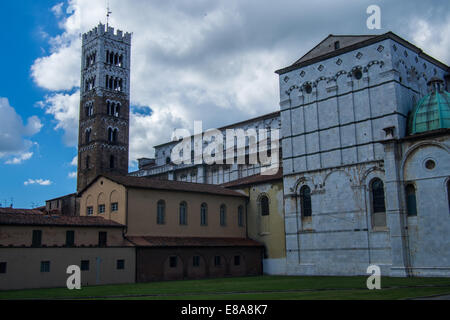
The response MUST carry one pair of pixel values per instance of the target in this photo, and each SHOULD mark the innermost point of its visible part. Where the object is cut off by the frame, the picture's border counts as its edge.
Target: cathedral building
(366, 163)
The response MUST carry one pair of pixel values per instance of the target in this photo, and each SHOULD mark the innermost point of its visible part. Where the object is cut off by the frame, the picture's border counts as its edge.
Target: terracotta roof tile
(55, 220)
(192, 242)
(158, 184)
(255, 179)
(21, 211)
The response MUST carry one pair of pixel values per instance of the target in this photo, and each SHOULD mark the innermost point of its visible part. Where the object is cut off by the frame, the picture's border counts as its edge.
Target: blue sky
(22, 23)
(209, 60)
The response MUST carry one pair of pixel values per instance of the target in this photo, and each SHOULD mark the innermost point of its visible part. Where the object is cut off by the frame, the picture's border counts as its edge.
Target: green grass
(264, 287)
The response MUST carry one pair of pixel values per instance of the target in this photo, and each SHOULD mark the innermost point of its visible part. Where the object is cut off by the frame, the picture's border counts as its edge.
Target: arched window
(223, 215)
(108, 107)
(411, 204)
(110, 135)
(378, 196)
(204, 214)
(240, 216)
(305, 201)
(88, 160)
(264, 204)
(161, 212)
(183, 213)
(117, 110)
(88, 136)
(378, 204)
(111, 162)
(115, 135)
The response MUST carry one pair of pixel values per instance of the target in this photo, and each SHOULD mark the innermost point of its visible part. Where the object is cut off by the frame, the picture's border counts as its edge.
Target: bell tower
(103, 138)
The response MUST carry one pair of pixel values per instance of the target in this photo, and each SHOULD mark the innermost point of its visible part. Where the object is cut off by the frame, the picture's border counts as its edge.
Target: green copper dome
(432, 112)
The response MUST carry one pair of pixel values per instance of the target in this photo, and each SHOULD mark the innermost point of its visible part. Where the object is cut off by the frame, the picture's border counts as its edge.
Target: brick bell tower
(103, 138)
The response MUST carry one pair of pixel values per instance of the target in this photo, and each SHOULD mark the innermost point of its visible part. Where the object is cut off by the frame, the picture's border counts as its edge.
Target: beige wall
(56, 236)
(142, 214)
(267, 229)
(105, 191)
(24, 266)
(142, 211)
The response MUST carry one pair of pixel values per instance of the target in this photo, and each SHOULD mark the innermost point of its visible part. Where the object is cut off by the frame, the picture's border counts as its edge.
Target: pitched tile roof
(158, 184)
(21, 211)
(55, 220)
(142, 241)
(316, 55)
(255, 179)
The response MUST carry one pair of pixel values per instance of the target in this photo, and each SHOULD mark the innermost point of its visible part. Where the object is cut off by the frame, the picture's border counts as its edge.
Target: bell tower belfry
(103, 138)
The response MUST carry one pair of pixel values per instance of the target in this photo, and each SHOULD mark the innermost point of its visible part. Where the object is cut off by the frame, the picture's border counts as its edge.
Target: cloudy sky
(209, 60)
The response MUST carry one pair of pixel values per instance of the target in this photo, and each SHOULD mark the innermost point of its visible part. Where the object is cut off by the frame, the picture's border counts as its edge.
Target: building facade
(347, 159)
(36, 250)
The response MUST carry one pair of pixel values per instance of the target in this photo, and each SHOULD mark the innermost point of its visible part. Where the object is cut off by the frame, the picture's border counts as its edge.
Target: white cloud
(64, 107)
(208, 60)
(57, 9)
(432, 36)
(74, 161)
(13, 134)
(72, 175)
(40, 182)
(21, 158)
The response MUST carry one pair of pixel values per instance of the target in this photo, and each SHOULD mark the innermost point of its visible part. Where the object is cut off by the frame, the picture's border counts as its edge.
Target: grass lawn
(249, 288)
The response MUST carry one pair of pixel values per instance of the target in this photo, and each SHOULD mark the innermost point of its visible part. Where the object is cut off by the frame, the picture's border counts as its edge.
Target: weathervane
(108, 13)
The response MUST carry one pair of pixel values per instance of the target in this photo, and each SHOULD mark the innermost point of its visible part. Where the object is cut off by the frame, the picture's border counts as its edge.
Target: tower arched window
(305, 201)
(112, 135)
(378, 203)
(117, 110)
(112, 161)
(88, 160)
(161, 212)
(411, 203)
(183, 213)
(264, 205)
(223, 215)
(88, 136)
(204, 214)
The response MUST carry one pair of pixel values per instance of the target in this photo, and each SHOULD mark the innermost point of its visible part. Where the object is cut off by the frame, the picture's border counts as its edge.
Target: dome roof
(432, 112)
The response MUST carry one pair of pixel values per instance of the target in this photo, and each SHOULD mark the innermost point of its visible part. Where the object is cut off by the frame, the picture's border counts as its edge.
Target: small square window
(45, 266)
(101, 209)
(2, 267)
(217, 261)
(196, 261)
(84, 265)
(337, 45)
(102, 239)
(173, 262)
(114, 207)
(90, 211)
(237, 260)
(70, 238)
(120, 264)
(37, 238)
